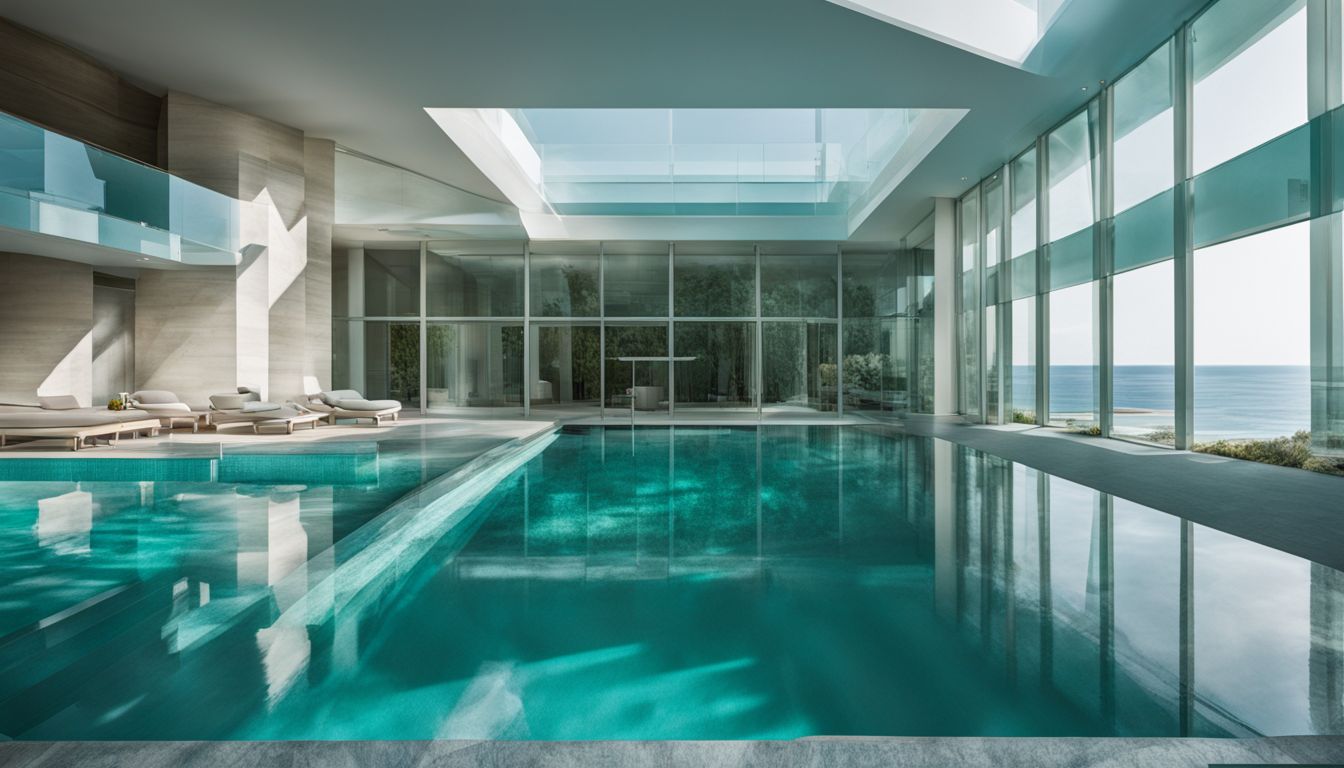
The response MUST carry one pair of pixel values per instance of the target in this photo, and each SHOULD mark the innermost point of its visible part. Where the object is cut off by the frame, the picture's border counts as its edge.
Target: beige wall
(46, 329)
(185, 331)
(280, 304)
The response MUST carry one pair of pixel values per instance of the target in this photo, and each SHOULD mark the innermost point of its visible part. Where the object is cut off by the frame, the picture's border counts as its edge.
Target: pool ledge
(820, 751)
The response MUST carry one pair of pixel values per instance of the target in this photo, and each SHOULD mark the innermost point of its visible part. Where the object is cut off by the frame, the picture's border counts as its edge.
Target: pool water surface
(656, 583)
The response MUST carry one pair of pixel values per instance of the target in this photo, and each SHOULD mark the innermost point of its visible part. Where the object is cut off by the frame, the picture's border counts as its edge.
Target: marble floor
(819, 752)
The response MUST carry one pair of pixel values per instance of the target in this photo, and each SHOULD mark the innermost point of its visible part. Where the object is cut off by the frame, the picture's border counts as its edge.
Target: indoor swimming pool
(767, 582)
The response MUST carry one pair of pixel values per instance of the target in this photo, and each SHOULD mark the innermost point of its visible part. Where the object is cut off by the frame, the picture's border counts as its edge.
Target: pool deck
(823, 752)
(1292, 510)
(474, 437)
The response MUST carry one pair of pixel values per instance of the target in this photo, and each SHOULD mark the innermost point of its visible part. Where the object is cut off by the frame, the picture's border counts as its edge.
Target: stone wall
(46, 329)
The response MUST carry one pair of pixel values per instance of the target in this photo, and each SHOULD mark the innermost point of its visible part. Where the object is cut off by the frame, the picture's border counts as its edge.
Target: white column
(944, 306)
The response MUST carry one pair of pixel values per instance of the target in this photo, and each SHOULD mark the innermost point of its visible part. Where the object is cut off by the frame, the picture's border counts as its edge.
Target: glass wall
(1252, 336)
(392, 282)
(564, 280)
(888, 331)
(968, 305)
(720, 374)
(635, 278)
(474, 365)
(474, 282)
(1188, 289)
(714, 328)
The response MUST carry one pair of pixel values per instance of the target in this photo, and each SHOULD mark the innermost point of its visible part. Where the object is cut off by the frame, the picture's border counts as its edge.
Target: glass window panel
(969, 322)
(459, 284)
(722, 375)
(885, 365)
(714, 284)
(1144, 131)
(1072, 148)
(1144, 374)
(872, 283)
(1071, 259)
(798, 285)
(347, 355)
(636, 340)
(564, 284)
(991, 365)
(799, 371)
(1250, 75)
(392, 362)
(567, 366)
(636, 279)
(1073, 355)
(1252, 336)
(340, 282)
(1144, 233)
(1022, 276)
(1264, 188)
(392, 282)
(474, 366)
(1023, 175)
(993, 203)
(1023, 352)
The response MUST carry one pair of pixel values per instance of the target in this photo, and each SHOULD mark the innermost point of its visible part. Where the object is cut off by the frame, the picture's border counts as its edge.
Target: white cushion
(336, 395)
(58, 402)
(154, 397)
(367, 405)
(258, 407)
(164, 407)
(228, 401)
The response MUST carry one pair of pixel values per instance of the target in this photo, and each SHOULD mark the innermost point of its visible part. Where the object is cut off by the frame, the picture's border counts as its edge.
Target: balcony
(62, 198)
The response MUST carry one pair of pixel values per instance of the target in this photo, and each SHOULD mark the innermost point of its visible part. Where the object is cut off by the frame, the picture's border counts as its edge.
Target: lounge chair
(62, 417)
(246, 407)
(348, 404)
(167, 408)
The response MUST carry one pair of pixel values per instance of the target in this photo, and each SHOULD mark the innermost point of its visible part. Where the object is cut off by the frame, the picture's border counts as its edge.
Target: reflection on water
(658, 583)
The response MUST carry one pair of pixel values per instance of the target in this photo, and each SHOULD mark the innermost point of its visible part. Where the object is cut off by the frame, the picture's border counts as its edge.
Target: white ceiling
(361, 73)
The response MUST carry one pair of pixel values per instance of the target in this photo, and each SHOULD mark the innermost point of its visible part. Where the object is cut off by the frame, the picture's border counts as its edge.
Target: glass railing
(54, 185)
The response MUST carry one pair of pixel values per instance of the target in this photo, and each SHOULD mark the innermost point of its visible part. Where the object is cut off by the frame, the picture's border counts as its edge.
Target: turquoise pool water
(659, 583)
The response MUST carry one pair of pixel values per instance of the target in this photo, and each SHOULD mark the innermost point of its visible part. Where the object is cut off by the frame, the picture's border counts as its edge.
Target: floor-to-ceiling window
(799, 310)
(1188, 291)
(1072, 162)
(992, 204)
(1143, 378)
(969, 390)
(887, 331)
(1021, 354)
(1251, 156)
(1252, 336)
(573, 329)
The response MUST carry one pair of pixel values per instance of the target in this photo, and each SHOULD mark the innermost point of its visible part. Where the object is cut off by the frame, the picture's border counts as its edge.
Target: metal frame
(1183, 262)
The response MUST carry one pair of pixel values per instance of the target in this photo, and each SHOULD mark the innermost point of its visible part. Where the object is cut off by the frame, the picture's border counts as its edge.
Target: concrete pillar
(319, 175)
(944, 306)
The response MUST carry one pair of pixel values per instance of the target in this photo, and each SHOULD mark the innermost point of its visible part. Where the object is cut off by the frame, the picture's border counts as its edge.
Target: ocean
(1231, 401)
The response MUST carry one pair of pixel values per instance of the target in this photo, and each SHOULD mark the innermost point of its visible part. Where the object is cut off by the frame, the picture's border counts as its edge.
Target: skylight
(1006, 30)
(823, 165)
